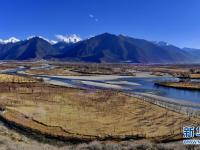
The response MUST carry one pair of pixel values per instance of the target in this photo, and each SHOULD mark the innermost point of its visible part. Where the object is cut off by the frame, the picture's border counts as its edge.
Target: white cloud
(91, 16)
(69, 38)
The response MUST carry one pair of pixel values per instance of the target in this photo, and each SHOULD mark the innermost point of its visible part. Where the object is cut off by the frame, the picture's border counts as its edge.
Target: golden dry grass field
(5, 78)
(195, 76)
(87, 115)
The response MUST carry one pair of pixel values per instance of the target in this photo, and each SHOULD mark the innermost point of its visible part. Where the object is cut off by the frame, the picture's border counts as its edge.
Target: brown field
(111, 69)
(68, 71)
(56, 71)
(4, 78)
(195, 76)
(75, 114)
(181, 85)
(66, 68)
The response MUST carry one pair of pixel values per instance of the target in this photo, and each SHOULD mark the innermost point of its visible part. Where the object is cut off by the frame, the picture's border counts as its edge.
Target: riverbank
(181, 85)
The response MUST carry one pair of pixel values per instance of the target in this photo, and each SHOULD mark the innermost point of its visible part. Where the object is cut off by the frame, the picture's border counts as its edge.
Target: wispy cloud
(93, 17)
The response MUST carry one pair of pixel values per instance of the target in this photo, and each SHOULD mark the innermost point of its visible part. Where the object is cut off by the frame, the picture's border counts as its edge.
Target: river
(127, 84)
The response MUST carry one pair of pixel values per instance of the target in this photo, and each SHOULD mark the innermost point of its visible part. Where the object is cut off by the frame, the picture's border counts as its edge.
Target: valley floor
(38, 115)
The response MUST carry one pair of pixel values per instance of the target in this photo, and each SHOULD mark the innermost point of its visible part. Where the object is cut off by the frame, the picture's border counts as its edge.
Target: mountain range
(103, 48)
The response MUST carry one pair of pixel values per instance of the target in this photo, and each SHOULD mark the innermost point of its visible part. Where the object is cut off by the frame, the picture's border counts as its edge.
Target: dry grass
(55, 71)
(82, 114)
(195, 76)
(15, 79)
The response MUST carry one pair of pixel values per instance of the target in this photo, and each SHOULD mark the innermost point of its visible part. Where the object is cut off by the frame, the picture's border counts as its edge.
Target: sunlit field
(84, 115)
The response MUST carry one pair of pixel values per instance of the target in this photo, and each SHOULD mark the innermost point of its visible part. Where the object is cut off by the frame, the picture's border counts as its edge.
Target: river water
(143, 85)
(139, 84)
(147, 85)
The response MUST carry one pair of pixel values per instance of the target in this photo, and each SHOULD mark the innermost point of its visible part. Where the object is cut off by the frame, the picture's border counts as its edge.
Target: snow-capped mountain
(9, 40)
(69, 38)
(50, 41)
(161, 43)
(105, 47)
(61, 38)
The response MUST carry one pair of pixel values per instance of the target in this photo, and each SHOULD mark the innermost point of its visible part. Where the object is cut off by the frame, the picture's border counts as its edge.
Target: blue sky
(174, 21)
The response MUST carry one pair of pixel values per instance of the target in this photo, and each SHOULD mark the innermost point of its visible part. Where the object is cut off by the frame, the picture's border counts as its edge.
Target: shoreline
(180, 85)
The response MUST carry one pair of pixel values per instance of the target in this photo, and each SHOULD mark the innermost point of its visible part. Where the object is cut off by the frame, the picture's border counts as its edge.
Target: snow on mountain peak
(41, 37)
(73, 38)
(69, 38)
(1, 41)
(9, 40)
(161, 43)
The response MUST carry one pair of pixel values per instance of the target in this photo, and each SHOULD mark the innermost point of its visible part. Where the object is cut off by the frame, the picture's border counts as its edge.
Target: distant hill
(111, 48)
(101, 48)
(194, 52)
(34, 48)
